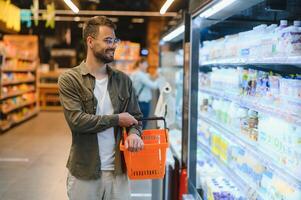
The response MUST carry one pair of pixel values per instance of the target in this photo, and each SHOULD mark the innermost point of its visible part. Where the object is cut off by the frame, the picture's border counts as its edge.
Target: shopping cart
(148, 163)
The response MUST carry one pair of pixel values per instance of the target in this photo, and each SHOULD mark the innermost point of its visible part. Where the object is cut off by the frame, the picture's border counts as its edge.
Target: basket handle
(124, 133)
(153, 119)
(156, 119)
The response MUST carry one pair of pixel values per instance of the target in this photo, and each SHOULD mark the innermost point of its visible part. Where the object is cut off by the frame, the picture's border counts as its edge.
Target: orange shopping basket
(148, 163)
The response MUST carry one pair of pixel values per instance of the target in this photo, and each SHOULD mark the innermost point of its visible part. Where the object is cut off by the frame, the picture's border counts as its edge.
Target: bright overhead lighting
(72, 6)
(216, 8)
(165, 6)
(77, 18)
(174, 33)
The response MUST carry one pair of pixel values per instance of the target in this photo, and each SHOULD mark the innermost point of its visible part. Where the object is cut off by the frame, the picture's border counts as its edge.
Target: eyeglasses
(110, 41)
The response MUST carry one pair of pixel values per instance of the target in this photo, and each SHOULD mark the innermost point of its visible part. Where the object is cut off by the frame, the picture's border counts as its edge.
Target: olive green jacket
(76, 88)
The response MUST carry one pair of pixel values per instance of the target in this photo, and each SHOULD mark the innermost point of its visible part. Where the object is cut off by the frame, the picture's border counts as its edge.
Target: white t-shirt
(106, 139)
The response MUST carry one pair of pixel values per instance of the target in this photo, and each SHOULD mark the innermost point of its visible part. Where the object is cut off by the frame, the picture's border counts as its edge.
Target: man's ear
(89, 42)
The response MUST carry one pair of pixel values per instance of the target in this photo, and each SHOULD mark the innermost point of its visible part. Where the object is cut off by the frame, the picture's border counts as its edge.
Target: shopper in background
(143, 85)
(98, 101)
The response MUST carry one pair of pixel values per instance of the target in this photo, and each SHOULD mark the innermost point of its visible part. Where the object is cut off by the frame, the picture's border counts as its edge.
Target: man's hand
(126, 120)
(133, 143)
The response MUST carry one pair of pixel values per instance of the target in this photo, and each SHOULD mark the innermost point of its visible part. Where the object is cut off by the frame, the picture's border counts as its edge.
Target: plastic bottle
(278, 48)
(266, 46)
(295, 39)
(256, 37)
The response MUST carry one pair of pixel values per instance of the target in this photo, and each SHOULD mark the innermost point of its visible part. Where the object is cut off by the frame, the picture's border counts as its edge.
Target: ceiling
(142, 5)
(126, 28)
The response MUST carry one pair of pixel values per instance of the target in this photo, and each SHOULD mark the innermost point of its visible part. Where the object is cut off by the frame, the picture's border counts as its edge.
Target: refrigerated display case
(246, 62)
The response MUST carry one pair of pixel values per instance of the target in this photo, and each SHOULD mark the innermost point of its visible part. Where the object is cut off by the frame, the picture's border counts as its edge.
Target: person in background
(143, 85)
(98, 101)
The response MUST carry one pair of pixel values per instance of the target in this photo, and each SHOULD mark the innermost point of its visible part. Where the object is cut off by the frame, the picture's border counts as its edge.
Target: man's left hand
(133, 143)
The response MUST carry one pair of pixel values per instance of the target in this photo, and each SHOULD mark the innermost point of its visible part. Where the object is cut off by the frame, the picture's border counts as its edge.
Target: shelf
(6, 111)
(291, 60)
(51, 108)
(255, 105)
(27, 116)
(16, 94)
(51, 74)
(21, 58)
(18, 82)
(48, 85)
(18, 70)
(6, 127)
(237, 179)
(252, 148)
(19, 76)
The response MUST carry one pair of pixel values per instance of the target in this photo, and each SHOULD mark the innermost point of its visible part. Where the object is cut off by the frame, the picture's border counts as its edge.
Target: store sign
(49, 16)
(10, 15)
(35, 11)
(26, 17)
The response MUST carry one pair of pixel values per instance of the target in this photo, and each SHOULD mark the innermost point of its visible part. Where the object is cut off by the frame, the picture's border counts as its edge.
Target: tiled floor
(33, 157)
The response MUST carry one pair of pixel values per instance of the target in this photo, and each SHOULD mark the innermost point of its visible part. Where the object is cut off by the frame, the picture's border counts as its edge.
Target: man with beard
(98, 101)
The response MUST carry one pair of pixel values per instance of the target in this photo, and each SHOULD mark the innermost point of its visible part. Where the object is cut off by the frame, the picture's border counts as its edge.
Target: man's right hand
(126, 120)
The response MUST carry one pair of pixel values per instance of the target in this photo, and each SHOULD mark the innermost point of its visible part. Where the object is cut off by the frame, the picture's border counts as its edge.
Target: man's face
(104, 45)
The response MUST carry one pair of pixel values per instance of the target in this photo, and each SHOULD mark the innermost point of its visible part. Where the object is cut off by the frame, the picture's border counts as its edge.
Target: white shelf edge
(290, 60)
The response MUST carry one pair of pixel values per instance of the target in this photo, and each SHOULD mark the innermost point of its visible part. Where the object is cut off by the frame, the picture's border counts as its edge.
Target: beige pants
(108, 187)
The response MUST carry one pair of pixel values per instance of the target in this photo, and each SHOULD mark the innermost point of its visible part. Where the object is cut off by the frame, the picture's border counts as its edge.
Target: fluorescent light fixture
(72, 6)
(77, 18)
(216, 8)
(165, 6)
(174, 33)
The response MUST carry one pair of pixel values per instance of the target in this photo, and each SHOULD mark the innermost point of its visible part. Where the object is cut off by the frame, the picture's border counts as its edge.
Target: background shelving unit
(48, 90)
(126, 54)
(18, 72)
(262, 163)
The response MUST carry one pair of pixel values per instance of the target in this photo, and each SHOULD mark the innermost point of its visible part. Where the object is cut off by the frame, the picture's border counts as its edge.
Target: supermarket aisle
(33, 157)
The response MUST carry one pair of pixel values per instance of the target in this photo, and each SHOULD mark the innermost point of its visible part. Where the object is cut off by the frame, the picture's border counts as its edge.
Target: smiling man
(98, 101)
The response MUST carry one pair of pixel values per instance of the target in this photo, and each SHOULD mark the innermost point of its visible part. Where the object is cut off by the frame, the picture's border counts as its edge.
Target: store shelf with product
(48, 88)
(126, 55)
(18, 94)
(248, 100)
(210, 169)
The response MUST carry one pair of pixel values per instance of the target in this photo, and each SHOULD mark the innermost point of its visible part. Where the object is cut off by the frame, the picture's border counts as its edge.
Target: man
(98, 101)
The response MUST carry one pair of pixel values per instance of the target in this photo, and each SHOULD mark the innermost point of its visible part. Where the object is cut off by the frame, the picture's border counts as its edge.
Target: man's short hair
(91, 26)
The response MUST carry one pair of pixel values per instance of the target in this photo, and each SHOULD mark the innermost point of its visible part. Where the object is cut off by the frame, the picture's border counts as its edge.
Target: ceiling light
(174, 33)
(216, 8)
(72, 6)
(165, 6)
(77, 18)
